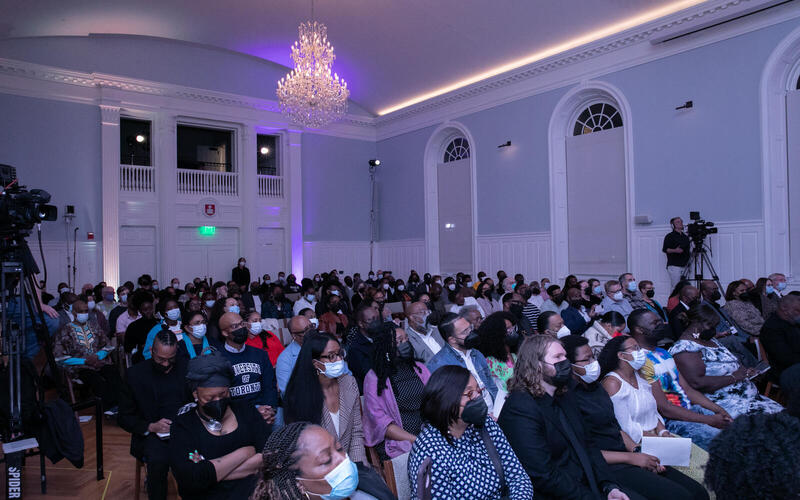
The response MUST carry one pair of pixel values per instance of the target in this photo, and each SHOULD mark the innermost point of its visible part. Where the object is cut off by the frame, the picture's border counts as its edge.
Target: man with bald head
(425, 339)
(298, 326)
(781, 335)
(254, 377)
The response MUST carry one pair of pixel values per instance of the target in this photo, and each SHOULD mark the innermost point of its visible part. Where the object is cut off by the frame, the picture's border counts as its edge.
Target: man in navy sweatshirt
(254, 377)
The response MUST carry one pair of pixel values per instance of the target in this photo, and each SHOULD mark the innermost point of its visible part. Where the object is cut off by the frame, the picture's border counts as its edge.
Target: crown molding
(49, 82)
(622, 50)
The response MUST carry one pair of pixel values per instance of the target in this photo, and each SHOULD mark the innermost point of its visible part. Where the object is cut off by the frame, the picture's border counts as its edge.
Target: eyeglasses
(334, 356)
(473, 393)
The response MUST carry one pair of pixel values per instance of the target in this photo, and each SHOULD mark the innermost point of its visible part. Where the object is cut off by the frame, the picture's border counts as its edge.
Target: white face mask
(563, 331)
(199, 331)
(314, 321)
(401, 287)
(335, 292)
(90, 304)
(335, 369)
(639, 359)
(255, 328)
(386, 286)
(592, 372)
(617, 296)
(451, 287)
(174, 314)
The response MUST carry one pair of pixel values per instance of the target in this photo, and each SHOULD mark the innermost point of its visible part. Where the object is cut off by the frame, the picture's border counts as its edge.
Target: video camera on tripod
(699, 229)
(20, 209)
(20, 312)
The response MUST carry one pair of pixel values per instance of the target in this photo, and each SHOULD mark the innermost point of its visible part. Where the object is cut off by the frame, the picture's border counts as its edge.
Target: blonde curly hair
(528, 369)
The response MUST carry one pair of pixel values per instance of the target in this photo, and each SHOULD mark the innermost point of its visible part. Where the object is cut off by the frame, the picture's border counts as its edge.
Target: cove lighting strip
(593, 36)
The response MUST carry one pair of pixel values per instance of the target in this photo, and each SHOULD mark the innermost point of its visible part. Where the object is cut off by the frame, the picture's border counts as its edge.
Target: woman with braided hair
(393, 394)
(304, 461)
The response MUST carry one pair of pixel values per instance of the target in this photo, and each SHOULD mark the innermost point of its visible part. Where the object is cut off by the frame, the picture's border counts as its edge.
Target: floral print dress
(501, 370)
(737, 399)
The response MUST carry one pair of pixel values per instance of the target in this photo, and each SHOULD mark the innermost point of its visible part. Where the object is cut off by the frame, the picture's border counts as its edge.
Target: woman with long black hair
(321, 391)
(393, 394)
(499, 342)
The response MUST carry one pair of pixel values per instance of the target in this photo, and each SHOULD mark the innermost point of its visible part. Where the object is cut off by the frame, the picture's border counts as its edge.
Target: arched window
(797, 85)
(458, 149)
(597, 117)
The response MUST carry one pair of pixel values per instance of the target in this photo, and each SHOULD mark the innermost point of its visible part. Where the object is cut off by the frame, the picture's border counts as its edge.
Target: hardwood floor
(65, 481)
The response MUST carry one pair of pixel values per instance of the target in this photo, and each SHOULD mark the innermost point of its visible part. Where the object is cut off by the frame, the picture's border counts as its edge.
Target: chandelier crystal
(311, 94)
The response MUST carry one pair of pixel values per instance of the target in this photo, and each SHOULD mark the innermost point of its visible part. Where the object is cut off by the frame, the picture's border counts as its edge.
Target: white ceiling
(389, 51)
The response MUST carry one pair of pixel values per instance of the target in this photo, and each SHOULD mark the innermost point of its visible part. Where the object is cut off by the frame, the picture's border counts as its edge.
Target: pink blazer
(380, 411)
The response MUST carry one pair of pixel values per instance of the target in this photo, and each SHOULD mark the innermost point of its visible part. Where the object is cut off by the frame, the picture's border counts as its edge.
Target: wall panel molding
(526, 253)
(88, 257)
(322, 256)
(401, 256)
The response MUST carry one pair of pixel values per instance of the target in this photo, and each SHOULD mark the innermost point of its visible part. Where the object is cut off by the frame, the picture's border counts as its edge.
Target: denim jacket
(449, 356)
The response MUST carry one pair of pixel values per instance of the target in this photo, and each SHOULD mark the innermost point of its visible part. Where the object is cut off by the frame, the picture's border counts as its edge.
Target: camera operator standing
(676, 246)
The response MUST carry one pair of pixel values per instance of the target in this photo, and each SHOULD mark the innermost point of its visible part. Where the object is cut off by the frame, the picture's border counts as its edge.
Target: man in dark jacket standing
(150, 398)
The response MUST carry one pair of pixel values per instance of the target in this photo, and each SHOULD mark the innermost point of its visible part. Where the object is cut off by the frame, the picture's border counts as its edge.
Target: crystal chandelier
(311, 94)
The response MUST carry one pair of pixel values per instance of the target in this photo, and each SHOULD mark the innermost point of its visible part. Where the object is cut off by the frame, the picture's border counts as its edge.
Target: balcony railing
(270, 186)
(204, 182)
(137, 179)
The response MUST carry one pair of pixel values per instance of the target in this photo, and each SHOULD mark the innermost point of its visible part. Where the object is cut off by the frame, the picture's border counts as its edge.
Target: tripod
(698, 262)
(20, 311)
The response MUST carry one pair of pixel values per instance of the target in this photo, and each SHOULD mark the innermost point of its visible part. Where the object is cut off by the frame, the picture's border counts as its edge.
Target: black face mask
(405, 351)
(516, 310)
(475, 412)
(374, 327)
(708, 333)
(660, 332)
(239, 335)
(216, 409)
(161, 369)
(558, 299)
(471, 341)
(512, 340)
(716, 296)
(563, 373)
(650, 294)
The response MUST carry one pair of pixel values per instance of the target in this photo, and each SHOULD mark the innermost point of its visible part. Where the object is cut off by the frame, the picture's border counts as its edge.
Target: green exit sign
(207, 230)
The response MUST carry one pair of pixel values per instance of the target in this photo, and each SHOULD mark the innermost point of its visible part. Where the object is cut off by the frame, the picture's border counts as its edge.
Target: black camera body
(699, 228)
(21, 209)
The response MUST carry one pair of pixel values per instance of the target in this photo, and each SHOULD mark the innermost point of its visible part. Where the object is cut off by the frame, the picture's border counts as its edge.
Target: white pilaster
(248, 189)
(166, 164)
(109, 147)
(293, 173)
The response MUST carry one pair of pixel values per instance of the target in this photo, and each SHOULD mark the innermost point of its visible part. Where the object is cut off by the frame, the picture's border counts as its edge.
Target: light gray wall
(336, 188)
(707, 158)
(55, 146)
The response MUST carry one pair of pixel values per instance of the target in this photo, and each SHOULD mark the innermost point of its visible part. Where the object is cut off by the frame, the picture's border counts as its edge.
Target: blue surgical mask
(174, 314)
(123, 298)
(199, 331)
(209, 303)
(234, 309)
(781, 286)
(91, 304)
(82, 317)
(632, 286)
(343, 480)
(598, 290)
(335, 369)
(770, 289)
(311, 297)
